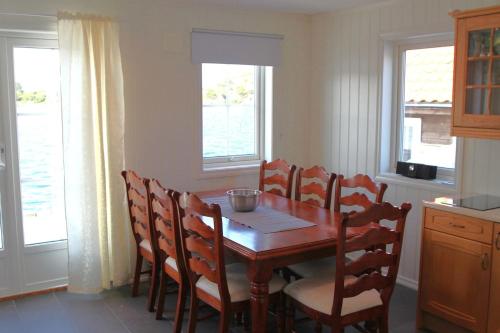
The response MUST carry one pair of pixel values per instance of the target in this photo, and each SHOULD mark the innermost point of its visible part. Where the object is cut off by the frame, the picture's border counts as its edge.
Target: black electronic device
(415, 170)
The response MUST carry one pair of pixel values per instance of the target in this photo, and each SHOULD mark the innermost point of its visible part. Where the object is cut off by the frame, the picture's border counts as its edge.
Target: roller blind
(224, 47)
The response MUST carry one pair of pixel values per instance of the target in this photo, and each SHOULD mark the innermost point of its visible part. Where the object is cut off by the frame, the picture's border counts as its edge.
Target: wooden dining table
(263, 252)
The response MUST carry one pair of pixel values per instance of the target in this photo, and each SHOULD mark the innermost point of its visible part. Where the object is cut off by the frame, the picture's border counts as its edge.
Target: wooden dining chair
(142, 229)
(314, 186)
(280, 181)
(360, 290)
(224, 288)
(166, 223)
(358, 183)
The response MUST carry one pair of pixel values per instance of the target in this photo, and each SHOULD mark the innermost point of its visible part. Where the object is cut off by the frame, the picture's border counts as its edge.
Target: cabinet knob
(497, 241)
(485, 262)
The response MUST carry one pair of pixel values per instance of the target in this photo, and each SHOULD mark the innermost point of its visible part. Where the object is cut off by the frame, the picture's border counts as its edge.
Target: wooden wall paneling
(354, 74)
(352, 48)
(385, 19)
(398, 16)
(363, 143)
(337, 97)
(345, 99)
(420, 13)
(373, 77)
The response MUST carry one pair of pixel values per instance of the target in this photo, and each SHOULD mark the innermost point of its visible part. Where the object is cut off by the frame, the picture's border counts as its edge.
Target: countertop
(440, 203)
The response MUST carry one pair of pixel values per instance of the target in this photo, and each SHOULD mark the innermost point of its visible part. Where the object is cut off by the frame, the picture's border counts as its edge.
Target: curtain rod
(237, 33)
(29, 15)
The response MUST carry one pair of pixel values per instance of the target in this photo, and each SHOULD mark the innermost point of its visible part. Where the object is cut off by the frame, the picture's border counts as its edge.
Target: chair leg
(337, 329)
(161, 296)
(287, 274)
(137, 274)
(280, 313)
(179, 311)
(290, 316)
(372, 326)
(239, 318)
(318, 327)
(193, 311)
(246, 321)
(153, 286)
(384, 323)
(225, 317)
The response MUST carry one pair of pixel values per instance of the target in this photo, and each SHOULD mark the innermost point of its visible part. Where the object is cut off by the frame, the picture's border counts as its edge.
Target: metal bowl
(243, 200)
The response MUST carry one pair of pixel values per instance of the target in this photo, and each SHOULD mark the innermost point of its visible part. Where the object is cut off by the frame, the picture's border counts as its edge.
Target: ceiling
(296, 6)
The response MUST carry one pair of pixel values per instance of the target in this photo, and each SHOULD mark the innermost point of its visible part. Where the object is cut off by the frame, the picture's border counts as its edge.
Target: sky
(37, 69)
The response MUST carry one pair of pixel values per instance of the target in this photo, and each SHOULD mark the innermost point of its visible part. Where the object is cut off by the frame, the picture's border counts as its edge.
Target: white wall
(163, 96)
(163, 100)
(345, 91)
(163, 91)
(326, 90)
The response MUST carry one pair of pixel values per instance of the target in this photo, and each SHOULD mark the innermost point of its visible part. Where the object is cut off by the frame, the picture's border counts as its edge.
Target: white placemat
(263, 219)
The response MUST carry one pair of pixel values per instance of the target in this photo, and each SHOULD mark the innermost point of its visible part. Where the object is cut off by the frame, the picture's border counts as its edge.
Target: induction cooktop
(478, 202)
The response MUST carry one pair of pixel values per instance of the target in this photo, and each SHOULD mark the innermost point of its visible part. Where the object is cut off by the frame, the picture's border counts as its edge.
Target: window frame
(443, 174)
(239, 161)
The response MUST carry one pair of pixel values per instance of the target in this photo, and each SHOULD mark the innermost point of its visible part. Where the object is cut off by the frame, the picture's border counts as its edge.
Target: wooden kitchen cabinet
(476, 84)
(459, 274)
(494, 313)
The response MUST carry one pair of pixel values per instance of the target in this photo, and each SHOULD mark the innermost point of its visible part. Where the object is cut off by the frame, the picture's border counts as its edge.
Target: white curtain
(93, 130)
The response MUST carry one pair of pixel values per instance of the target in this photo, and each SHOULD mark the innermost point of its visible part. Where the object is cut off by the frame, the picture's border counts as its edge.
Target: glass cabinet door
(483, 73)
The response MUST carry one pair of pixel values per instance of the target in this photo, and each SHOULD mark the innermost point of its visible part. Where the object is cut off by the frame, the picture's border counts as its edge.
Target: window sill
(229, 171)
(436, 185)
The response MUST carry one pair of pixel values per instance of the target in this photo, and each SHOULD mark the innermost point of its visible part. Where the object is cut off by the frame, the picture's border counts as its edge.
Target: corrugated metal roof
(429, 75)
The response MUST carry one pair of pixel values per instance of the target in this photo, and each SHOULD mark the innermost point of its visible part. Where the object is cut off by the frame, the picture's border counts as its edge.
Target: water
(226, 131)
(229, 131)
(41, 172)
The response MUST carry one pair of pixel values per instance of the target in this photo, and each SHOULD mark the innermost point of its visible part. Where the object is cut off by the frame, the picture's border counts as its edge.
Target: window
(424, 108)
(39, 139)
(233, 114)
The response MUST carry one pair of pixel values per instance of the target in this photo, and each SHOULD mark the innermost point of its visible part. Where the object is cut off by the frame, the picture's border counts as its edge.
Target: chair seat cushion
(146, 245)
(238, 284)
(323, 266)
(172, 263)
(317, 293)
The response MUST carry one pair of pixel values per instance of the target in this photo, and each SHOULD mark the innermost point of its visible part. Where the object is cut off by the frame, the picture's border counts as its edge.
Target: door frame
(26, 263)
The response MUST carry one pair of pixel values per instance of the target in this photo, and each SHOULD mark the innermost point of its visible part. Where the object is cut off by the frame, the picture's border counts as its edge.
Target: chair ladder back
(280, 182)
(202, 245)
(138, 206)
(165, 216)
(361, 182)
(365, 273)
(318, 189)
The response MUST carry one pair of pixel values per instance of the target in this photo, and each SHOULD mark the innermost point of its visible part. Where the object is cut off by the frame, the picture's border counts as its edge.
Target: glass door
(483, 72)
(34, 223)
(39, 144)
(477, 73)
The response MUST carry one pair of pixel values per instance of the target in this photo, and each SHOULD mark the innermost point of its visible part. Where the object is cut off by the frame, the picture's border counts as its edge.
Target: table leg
(259, 296)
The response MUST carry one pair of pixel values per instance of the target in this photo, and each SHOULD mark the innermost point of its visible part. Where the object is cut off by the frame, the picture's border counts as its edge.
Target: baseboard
(47, 284)
(409, 283)
(33, 293)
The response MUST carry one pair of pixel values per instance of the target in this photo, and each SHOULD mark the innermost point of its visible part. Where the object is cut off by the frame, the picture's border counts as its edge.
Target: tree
(230, 92)
(29, 97)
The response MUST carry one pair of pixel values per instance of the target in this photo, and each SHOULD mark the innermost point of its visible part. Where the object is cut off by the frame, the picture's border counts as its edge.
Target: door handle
(497, 241)
(2, 156)
(485, 262)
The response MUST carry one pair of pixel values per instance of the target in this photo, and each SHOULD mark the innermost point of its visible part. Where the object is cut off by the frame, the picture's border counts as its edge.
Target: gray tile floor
(115, 311)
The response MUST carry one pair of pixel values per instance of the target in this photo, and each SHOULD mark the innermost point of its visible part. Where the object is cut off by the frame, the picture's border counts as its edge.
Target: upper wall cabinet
(476, 97)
